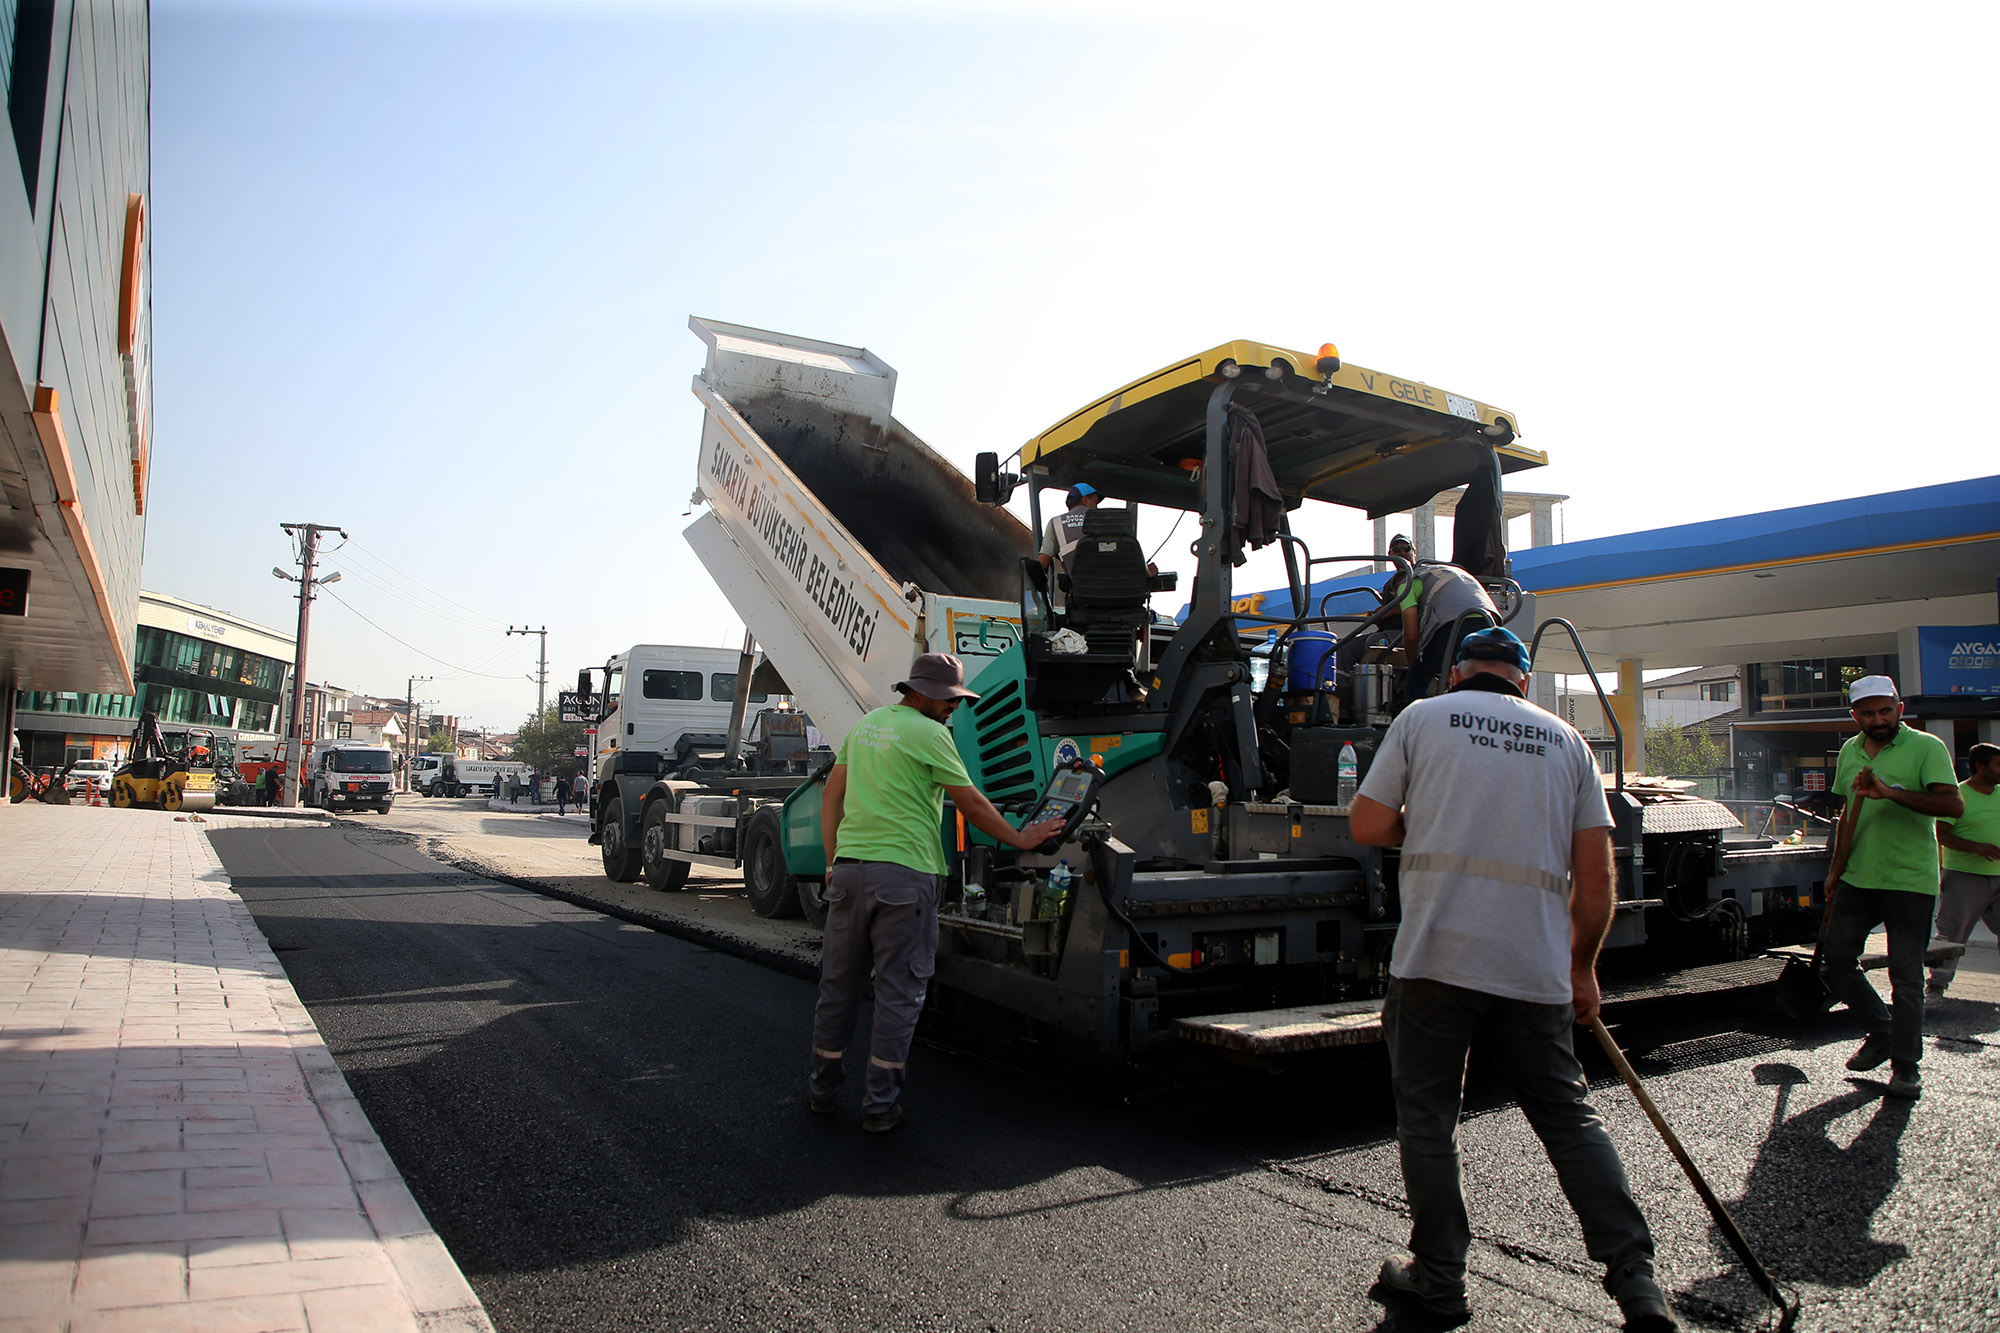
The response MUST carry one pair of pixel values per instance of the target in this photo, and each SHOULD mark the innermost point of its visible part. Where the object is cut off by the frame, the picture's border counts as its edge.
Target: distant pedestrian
(879, 818)
(1970, 892)
(562, 795)
(534, 789)
(1507, 892)
(1904, 779)
(264, 787)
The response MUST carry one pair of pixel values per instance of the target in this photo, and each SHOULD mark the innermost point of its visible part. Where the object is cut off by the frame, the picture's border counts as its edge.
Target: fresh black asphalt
(607, 1127)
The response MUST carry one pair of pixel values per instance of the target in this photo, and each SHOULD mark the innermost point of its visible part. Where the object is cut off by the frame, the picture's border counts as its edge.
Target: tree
(548, 745)
(1671, 750)
(440, 743)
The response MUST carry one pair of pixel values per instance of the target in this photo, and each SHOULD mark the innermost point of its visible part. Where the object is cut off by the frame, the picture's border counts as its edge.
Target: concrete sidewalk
(177, 1148)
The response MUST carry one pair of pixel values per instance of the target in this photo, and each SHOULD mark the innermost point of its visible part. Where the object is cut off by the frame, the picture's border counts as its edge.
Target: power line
(411, 646)
(427, 609)
(420, 584)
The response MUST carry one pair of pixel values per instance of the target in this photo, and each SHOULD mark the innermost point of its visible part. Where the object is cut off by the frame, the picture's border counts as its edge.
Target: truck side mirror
(991, 486)
(583, 681)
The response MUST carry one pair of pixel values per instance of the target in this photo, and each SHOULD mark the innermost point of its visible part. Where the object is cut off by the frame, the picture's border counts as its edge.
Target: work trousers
(1431, 1027)
(1906, 916)
(881, 914)
(1964, 900)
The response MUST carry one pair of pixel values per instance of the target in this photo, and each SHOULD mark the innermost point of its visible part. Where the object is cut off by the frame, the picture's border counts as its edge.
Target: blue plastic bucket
(1311, 660)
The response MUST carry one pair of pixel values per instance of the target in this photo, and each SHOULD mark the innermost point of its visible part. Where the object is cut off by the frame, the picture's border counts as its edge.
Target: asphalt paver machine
(1208, 889)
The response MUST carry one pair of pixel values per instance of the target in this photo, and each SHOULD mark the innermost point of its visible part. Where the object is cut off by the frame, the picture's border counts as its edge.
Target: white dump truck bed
(846, 544)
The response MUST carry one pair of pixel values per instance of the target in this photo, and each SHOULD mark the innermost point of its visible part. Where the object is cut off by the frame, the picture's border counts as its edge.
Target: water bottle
(973, 903)
(1057, 894)
(1350, 773)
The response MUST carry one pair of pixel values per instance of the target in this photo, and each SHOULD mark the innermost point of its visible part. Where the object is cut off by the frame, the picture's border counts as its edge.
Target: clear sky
(424, 272)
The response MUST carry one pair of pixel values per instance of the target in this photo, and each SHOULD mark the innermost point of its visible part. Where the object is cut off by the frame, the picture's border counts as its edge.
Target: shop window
(26, 49)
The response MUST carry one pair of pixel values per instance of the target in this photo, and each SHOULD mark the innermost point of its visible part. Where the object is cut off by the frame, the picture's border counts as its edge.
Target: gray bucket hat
(937, 676)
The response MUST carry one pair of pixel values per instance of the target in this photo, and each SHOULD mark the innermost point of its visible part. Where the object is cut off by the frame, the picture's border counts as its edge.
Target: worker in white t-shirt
(1061, 534)
(1506, 884)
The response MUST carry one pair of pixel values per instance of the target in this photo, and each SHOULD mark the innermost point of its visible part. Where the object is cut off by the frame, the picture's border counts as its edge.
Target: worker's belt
(846, 861)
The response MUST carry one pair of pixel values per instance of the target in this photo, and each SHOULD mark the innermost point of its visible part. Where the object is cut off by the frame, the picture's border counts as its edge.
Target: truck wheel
(811, 904)
(660, 871)
(773, 892)
(621, 860)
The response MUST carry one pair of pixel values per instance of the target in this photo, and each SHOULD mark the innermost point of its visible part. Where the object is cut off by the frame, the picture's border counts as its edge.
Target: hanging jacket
(1256, 508)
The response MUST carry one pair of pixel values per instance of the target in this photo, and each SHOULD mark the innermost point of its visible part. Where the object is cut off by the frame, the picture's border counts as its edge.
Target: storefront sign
(14, 592)
(206, 629)
(1960, 659)
(572, 706)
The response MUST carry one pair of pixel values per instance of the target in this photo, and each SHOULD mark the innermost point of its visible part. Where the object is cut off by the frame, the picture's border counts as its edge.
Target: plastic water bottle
(1350, 773)
(1056, 896)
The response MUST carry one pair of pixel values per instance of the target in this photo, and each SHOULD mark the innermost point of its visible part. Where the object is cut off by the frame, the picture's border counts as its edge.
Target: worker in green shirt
(882, 821)
(1905, 783)
(1971, 888)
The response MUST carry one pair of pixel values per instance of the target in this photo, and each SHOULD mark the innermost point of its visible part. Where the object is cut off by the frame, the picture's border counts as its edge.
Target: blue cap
(1082, 488)
(1495, 645)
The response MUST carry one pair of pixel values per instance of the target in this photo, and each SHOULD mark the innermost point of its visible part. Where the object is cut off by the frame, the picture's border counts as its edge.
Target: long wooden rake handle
(1787, 1304)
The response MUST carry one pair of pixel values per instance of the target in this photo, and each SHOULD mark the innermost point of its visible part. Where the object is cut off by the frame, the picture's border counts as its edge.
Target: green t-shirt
(1895, 848)
(898, 764)
(1979, 823)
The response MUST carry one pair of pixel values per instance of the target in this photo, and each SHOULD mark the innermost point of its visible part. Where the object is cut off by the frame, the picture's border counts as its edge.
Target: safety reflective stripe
(1438, 863)
(884, 1064)
(828, 1055)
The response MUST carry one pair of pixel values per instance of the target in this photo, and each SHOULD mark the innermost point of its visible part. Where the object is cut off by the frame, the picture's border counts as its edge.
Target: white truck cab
(351, 775)
(673, 701)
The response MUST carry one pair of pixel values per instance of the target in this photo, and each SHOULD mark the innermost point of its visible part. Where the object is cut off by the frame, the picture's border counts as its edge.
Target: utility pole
(410, 740)
(307, 535)
(542, 672)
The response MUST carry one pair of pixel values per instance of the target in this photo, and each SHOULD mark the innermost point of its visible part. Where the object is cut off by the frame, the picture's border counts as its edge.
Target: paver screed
(177, 1147)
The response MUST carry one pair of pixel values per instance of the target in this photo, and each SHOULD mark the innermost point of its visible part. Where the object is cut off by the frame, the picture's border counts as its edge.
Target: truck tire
(660, 872)
(621, 860)
(811, 905)
(772, 890)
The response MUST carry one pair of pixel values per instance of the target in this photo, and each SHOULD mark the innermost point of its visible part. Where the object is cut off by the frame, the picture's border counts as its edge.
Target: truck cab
(351, 775)
(674, 701)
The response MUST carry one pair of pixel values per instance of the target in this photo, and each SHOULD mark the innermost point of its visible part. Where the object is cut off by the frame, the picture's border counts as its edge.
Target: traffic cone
(96, 797)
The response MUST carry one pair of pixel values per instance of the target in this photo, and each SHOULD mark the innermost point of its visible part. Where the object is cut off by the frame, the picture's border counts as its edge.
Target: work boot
(1400, 1276)
(1643, 1304)
(1873, 1053)
(881, 1122)
(1933, 995)
(819, 1103)
(1906, 1080)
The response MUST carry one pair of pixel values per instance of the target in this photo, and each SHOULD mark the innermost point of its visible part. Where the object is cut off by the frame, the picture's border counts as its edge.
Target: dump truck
(1207, 890)
(840, 620)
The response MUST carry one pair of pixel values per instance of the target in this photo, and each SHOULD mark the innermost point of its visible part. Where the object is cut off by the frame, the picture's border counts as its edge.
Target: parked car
(87, 773)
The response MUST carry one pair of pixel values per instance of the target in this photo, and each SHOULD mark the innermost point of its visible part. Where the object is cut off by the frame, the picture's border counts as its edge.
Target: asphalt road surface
(607, 1126)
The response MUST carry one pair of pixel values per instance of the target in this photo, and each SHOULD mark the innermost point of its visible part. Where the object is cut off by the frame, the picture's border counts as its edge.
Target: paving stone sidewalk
(177, 1148)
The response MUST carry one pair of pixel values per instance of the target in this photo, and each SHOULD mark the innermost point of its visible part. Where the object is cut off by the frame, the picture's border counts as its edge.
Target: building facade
(75, 344)
(194, 666)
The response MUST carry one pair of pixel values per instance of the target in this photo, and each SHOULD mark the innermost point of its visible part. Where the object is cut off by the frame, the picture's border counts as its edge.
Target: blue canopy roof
(1924, 516)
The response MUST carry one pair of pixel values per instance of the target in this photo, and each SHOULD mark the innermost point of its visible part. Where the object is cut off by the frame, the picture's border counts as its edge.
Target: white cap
(1871, 687)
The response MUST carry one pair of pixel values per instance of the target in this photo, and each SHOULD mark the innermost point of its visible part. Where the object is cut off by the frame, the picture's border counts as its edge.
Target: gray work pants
(1906, 916)
(1964, 900)
(881, 914)
(1430, 1027)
